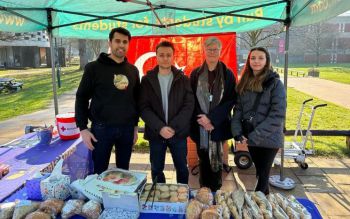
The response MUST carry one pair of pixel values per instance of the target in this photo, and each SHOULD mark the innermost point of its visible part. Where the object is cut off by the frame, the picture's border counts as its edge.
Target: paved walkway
(326, 182)
(331, 91)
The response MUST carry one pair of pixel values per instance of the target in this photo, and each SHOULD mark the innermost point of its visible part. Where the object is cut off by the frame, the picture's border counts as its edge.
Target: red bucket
(66, 126)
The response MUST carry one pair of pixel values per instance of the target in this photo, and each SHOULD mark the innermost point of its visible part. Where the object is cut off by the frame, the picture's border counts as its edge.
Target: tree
(83, 53)
(96, 46)
(7, 36)
(261, 37)
(314, 38)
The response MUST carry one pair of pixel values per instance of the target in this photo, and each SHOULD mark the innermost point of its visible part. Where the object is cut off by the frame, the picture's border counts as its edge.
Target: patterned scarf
(204, 95)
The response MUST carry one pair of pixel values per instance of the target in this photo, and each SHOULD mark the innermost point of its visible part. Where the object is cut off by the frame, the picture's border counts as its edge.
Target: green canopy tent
(93, 19)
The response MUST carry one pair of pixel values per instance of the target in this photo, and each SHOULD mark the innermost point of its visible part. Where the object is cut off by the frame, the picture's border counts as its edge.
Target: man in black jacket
(213, 85)
(166, 104)
(112, 85)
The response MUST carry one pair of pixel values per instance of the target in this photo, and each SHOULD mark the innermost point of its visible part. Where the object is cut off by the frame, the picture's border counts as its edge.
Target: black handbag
(247, 124)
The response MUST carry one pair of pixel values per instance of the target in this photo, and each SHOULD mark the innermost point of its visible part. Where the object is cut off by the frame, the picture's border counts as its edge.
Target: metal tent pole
(52, 52)
(279, 180)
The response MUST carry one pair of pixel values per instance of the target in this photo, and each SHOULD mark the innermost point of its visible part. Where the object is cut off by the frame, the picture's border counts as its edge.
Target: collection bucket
(66, 126)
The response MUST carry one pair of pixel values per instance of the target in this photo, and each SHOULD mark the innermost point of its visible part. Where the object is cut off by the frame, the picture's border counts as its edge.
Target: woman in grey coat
(259, 115)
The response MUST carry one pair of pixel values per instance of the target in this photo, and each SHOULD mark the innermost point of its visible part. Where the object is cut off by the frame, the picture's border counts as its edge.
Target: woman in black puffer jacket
(266, 119)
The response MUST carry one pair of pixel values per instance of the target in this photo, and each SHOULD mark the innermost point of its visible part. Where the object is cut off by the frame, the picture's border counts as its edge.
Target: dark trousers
(178, 150)
(262, 159)
(122, 137)
(207, 177)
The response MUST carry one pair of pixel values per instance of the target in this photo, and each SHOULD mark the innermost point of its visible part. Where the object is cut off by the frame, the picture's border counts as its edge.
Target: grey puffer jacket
(270, 114)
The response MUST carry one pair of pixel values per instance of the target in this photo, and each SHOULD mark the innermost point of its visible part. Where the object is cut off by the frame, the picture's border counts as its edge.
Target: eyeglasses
(212, 50)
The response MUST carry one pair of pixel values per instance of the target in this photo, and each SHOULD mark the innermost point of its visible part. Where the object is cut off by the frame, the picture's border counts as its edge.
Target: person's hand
(136, 132)
(87, 136)
(208, 127)
(167, 132)
(244, 141)
(203, 120)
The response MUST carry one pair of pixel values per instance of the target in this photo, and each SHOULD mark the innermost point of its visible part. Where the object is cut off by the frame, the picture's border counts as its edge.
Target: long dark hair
(248, 80)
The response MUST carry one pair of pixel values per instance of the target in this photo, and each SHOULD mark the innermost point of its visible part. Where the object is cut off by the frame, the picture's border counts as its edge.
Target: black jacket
(270, 114)
(180, 109)
(109, 105)
(221, 115)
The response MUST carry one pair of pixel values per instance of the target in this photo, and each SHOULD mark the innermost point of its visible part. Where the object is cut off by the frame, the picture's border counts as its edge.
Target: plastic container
(66, 126)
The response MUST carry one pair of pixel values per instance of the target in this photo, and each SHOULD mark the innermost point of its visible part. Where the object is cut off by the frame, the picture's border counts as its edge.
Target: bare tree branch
(7, 36)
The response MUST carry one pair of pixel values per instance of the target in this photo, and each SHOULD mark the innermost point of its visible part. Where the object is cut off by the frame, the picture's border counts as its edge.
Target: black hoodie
(109, 105)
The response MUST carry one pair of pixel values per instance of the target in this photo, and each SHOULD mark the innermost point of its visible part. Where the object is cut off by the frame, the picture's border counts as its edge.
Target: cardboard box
(93, 186)
(164, 206)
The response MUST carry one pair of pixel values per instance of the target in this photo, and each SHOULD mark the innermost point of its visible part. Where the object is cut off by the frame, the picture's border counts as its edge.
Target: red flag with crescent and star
(189, 52)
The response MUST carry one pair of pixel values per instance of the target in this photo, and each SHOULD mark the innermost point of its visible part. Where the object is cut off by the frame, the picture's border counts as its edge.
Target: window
(341, 27)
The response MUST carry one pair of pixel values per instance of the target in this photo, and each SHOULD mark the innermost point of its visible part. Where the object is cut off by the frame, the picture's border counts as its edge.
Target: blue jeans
(178, 150)
(120, 136)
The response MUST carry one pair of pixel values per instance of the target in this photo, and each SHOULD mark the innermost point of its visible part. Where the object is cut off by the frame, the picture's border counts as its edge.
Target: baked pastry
(173, 188)
(38, 215)
(164, 195)
(182, 197)
(164, 188)
(72, 207)
(91, 209)
(52, 206)
(205, 196)
(213, 212)
(148, 187)
(174, 199)
(194, 209)
(173, 193)
(182, 189)
(23, 208)
(7, 209)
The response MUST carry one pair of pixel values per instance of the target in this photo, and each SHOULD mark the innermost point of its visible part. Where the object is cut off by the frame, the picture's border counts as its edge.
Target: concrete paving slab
(318, 184)
(311, 171)
(298, 191)
(328, 162)
(332, 205)
(345, 188)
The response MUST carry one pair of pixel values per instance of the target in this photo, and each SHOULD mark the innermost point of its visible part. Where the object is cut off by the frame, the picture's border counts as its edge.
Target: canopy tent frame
(157, 7)
(287, 22)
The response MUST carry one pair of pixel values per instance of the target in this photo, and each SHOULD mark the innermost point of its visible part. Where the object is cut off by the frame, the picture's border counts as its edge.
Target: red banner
(189, 52)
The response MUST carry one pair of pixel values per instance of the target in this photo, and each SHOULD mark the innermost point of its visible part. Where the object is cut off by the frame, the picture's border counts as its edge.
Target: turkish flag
(189, 52)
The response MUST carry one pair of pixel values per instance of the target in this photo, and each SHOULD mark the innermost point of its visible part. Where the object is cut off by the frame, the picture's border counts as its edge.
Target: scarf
(209, 99)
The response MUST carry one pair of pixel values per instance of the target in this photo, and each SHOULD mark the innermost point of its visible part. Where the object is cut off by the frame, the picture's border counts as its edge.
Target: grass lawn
(331, 117)
(337, 73)
(37, 90)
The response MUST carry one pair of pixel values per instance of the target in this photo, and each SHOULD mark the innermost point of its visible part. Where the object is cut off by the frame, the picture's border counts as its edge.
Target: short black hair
(120, 30)
(165, 44)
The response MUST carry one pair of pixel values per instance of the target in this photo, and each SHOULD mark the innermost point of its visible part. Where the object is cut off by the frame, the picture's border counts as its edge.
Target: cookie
(164, 195)
(182, 197)
(174, 199)
(173, 194)
(148, 187)
(173, 188)
(182, 189)
(164, 188)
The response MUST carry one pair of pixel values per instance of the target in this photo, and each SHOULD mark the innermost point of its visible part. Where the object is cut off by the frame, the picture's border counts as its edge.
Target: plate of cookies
(165, 193)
